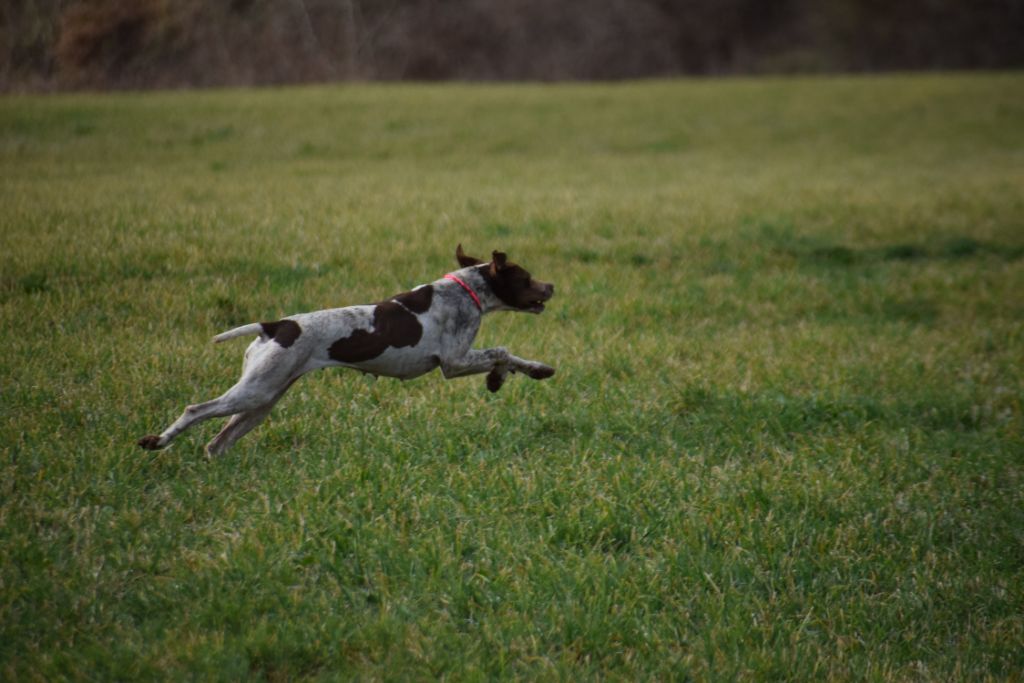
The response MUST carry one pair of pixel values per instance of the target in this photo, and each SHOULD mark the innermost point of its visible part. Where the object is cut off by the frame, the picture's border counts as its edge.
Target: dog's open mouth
(539, 295)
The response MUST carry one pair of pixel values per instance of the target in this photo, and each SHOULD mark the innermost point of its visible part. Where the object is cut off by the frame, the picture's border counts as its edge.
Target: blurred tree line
(48, 44)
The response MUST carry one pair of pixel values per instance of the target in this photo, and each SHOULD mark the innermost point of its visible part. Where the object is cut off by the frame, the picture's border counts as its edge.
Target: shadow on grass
(952, 249)
(719, 414)
(780, 235)
(277, 277)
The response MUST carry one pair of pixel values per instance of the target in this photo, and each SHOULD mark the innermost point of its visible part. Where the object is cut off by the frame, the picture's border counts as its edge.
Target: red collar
(476, 299)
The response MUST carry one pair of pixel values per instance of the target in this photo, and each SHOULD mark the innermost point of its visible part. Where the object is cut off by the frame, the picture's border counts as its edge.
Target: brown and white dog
(406, 336)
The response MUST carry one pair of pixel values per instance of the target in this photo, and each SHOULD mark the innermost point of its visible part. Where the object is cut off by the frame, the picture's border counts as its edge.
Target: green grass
(785, 439)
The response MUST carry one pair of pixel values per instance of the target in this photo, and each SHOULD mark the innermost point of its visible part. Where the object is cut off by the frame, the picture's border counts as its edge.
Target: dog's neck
(469, 290)
(476, 279)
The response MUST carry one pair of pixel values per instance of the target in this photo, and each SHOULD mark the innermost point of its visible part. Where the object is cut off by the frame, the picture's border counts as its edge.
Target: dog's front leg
(497, 362)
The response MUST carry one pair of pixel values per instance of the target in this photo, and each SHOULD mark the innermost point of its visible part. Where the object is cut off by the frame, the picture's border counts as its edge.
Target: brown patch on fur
(396, 325)
(358, 346)
(284, 332)
(418, 300)
(393, 326)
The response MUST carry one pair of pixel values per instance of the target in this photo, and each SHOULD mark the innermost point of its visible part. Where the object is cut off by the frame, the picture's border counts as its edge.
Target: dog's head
(509, 281)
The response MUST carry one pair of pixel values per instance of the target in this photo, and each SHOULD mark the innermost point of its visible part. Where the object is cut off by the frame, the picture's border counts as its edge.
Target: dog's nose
(549, 290)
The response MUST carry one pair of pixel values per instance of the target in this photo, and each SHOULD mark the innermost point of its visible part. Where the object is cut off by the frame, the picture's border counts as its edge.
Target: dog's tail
(243, 331)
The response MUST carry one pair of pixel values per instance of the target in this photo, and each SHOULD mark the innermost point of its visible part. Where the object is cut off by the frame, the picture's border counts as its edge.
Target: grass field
(785, 440)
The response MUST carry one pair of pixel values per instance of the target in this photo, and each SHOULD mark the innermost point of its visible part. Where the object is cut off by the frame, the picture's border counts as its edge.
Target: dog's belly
(399, 363)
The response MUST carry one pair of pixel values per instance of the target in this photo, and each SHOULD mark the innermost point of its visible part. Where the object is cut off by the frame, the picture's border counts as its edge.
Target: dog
(408, 335)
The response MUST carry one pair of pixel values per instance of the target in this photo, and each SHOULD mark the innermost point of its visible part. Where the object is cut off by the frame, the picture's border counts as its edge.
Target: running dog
(408, 335)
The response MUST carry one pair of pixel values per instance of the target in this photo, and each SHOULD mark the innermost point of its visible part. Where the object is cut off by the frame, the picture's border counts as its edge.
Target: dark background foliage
(56, 44)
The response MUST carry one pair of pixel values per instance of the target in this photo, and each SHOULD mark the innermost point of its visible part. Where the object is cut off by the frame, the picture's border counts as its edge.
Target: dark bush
(102, 40)
(155, 43)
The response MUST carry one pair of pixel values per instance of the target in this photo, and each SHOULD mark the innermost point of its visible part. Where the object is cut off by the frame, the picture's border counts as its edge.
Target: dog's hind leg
(241, 424)
(238, 426)
(218, 407)
(267, 373)
(245, 396)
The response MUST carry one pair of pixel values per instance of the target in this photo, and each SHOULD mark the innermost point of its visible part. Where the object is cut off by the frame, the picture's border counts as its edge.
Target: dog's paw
(495, 379)
(540, 371)
(150, 442)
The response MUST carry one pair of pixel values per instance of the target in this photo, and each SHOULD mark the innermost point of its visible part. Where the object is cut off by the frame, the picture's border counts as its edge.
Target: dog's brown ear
(498, 259)
(464, 260)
